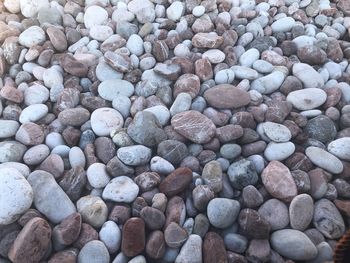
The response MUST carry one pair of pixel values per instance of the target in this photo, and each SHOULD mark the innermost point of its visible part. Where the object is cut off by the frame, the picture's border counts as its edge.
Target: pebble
(213, 248)
(33, 113)
(235, 242)
(194, 126)
(97, 175)
(308, 75)
(280, 187)
(328, 220)
(16, 193)
(93, 210)
(110, 235)
(276, 213)
(268, 83)
(133, 237)
(121, 189)
(113, 88)
(242, 173)
(293, 244)
(301, 211)
(284, 24)
(94, 251)
(175, 11)
(222, 212)
(225, 96)
(11, 151)
(105, 120)
(95, 15)
(191, 251)
(36, 154)
(32, 242)
(279, 151)
(134, 155)
(340, 148)
(54, 204)
(8, 128)
(32, 36)
(321, 128)
(324, 159)
(307, 99)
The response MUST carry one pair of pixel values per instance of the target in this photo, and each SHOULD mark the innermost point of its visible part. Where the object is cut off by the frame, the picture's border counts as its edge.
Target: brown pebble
(30, 134)
(175, 236)
(65, 256)
(155, 247)
(87, 234)
(253, 225)
(188, 83)
(214, 249)
(176, 182)
(32, 242)
(68, 230)
(133, 237)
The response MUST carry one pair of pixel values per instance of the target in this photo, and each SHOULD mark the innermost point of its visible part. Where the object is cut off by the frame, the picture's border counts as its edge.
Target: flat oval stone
(279, 151)
(176, 182)
(11, 151)
(269, 83)
(32, 36)
(324, 159)
(194, 126)
(8, 128)
(32, 242)
(328, 220)
(133, 237)
(222, 212)
(214, 248)
(121, 189)
(307, 99)
(278, 181)
(105, 120)
(275, 212)
(293, 244)
(134, 155)
(112, 88)
(308, 75)
(340, 148)
(49, 198)
(226, 96)
(277, 132)
(284, 24)
(16, 195)
(301, 211)
(33, 113)
(94, 251)
(74, 116)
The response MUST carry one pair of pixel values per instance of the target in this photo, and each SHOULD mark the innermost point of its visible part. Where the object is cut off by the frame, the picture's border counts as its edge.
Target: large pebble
(268, 83)
(340, 148)
(275, 212)
(293, 244)
(16, 195)
(94, 251)
(194, 126)
(97, 175)
(49, 198)
(191, 251)
(121, 189)
(276, 132)
(301, 211)
(105, 120)
(284, 24)
(11, 151)
(33, 113)
(308, 75)
(278, 181)
(242, 173)
(134, 155)
(307, 99)
(328, 220)
(95, 15)
(30, 8)
(279, 151)
(32, 36)
(93, 210)
(226, 96)
(113, 88)
(110, 235)
(324, 159)
(222, 212)
(8, 128)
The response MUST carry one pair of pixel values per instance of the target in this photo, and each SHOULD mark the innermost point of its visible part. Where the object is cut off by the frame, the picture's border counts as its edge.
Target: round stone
(16, 195)
(93, 210)
(308, 75)
(30, 8)
(279, 151)
(121, 189)
(94, 251)
(32, 36)
(293, 244)
(97, 175)
(276, 132)
(307, 99)
(110, 235)
(134, 155)
(11, 151)
(33, 113)
(8, 128)
(222, 212)
(284, 24)
(340, 148)
(113, 88)
(328, 220)
(276, 213)
(105, 120)
(135, 45)
(95, 15)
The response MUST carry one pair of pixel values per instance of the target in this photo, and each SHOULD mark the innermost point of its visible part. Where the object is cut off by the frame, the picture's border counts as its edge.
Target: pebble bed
(213, 131)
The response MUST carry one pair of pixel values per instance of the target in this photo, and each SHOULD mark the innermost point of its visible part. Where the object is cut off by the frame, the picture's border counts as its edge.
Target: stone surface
(176, 182)
(133, 237)
(194, 126)
(16, 195)
(301, 212)
(191, 251)
(226, 96)
(293, 244)
(222, 212)
(32, 242)
(324, 159)
(94, 251)
(105, 120)
(49, 198)
(307, 99)
(278, 181)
